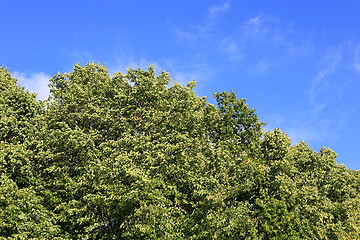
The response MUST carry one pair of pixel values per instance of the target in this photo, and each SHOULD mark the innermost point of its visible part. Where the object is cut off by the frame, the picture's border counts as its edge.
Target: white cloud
(231, 47)
(252, 26)
(209, 23)
(336, 75)
(344, 86)
(262, 67)
(262, 26)
(302, 127)
(269, 31)
(196, 68)
(215, 10)
(321, 93)
(326, 114)
(122, 62)
(320, 83)
(36, 82)
(185, 35)
(184, 77)
(201, 30)
(81, 55)
(316, 130)
(181, 72)
(357, 59)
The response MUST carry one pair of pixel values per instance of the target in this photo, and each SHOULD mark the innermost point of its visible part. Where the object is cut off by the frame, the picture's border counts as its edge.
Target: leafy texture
(132, 157)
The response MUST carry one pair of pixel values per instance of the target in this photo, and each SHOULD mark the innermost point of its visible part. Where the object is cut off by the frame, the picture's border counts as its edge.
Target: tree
(22, 214)
(131, 157)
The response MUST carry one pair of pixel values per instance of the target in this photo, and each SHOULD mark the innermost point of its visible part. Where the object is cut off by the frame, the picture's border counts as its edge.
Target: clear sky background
(296, 62)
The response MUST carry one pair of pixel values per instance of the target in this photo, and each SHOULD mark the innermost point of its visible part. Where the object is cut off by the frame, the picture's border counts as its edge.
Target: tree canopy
(135, 157)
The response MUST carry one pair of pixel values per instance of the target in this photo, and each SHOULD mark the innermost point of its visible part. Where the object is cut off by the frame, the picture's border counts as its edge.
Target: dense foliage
(132, 157)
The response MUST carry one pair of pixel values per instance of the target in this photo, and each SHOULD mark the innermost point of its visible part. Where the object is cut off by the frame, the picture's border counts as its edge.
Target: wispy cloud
(302, 127)
(274, 43)
(185, 35)
(321, 83)
(357, 59)
(215, 10)
(314, 130)
(338, 73)
(262, 67)
(182, 71)
(261, 26)
(36, 82)
(196, 68)
(184, 77)
(232, 48)
(262, 31)
(269, 31)
(202, 29)
(326, 114)
(80, 56)
(213, 13)
(122, 62)
(344, 86)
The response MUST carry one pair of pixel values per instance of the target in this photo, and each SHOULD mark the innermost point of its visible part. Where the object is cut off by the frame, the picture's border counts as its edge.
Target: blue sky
(296, 62)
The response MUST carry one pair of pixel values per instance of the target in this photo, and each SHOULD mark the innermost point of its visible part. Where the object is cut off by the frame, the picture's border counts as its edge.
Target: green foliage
(22, 215)
(131, 157)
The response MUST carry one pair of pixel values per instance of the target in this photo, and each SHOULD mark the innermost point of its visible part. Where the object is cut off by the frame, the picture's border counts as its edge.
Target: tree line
(135, 157)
